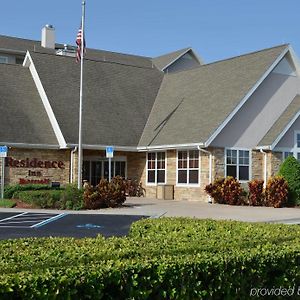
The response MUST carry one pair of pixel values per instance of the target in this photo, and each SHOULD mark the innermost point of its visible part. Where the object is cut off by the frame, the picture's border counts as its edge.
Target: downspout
(210, 168)
(265, 167)
(72, 163)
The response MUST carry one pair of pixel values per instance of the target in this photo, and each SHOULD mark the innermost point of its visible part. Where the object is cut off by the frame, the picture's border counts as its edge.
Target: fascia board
(28, 62)
(170, 147)
(295, 59)
(103, 147)
(178, 57)
(247, 96)
(30, 146)
(289, 125)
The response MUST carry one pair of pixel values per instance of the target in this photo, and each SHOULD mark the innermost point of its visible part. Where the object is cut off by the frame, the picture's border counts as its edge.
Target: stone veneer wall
(274, 162)
(257, 165)
(13, 174)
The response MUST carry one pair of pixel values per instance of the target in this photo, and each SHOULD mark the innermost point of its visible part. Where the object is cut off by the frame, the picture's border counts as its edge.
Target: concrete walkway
(174, 208)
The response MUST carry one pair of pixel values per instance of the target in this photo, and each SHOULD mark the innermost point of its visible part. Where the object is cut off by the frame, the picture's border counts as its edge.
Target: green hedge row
(68, 198)
(10, 190)
(160, 259)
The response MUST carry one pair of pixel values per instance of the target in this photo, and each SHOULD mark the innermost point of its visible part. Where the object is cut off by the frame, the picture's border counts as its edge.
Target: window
(156, 167)
(298, 140)
(3, 59)
(188, 167)
(237, 164)
(286, 154)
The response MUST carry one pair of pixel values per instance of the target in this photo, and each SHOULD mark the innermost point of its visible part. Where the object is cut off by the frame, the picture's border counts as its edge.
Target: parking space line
(48, 220)
(15, 216)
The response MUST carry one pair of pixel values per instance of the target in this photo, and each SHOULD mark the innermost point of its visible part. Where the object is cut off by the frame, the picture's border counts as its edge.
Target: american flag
(78, 42)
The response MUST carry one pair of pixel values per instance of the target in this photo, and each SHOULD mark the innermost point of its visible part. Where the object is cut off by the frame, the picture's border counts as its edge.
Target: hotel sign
(34, 163)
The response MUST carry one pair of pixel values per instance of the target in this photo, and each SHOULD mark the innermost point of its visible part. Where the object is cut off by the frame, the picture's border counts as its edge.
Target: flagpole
(80, 101)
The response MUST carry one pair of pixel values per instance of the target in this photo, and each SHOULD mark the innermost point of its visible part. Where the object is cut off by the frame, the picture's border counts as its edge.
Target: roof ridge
(245, 54)
(226, 59)
(179, 50)
(18, 38)
(96, 61)
(74, 46)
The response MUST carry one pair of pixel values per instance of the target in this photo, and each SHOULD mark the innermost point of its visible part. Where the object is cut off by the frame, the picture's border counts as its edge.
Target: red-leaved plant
(256, 192)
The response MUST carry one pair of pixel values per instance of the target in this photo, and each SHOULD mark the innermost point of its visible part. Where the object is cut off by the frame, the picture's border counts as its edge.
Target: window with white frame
(156, 167)
(285, 154)
(238, 164)
(3, 59)
(295, 151)
(188, 167)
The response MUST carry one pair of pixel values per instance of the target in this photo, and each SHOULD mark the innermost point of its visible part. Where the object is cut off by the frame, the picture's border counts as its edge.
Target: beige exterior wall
(136, 168)
(13, 174)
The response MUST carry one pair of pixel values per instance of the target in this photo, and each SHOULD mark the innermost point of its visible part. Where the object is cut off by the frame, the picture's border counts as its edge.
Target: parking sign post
(109, 155)
(3, 154)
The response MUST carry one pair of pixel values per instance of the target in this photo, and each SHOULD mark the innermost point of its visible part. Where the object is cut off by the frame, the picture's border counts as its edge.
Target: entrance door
(93, 171)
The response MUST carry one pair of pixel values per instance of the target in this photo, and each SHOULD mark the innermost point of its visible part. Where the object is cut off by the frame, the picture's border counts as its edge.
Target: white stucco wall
(260, 112)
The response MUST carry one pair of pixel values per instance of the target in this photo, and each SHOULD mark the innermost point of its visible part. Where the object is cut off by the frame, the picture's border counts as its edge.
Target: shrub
(105, 194)
(11, 189)
(7, 203)
(290, 171)
(276, 192)
(167, 258)
(226, 191)
(215, 190)
(256, 192)
(68, 198)
(71, 198)
(134, 188)
(40, 199)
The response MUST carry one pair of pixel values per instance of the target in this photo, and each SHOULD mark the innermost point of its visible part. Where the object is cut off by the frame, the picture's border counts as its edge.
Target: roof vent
(48, 37)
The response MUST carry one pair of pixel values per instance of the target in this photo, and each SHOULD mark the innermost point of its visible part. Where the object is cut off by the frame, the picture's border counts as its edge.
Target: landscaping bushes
(68, 198)
(10, 190)
(276, 192)
(168, 258)
(229, 191)
(226, 191)
(105, 194)
(256, 192)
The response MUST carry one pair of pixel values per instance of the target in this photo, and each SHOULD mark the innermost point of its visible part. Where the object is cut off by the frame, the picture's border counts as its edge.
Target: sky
(215, 29)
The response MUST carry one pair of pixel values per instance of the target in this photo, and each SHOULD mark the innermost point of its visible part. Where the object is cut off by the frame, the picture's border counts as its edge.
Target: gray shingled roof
(164, 60)
(117, 98)
(13, 43)
(192, 104)
(281, 123)
(23, 117)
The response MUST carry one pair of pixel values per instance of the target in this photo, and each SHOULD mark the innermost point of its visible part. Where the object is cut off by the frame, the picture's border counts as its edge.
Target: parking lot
(32, 224)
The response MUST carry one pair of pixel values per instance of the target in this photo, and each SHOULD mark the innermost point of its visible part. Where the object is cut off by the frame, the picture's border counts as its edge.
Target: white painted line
(3, 226)
(15, 216)
(32, 218)
(48, 220)
(19, 222)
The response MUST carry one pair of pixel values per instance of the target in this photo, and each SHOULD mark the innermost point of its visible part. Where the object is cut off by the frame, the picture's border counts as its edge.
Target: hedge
(169, 258)
(10, 190)
(68, 198)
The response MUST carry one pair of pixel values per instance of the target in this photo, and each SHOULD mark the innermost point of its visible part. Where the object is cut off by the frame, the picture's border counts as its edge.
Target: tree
(290, 171)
